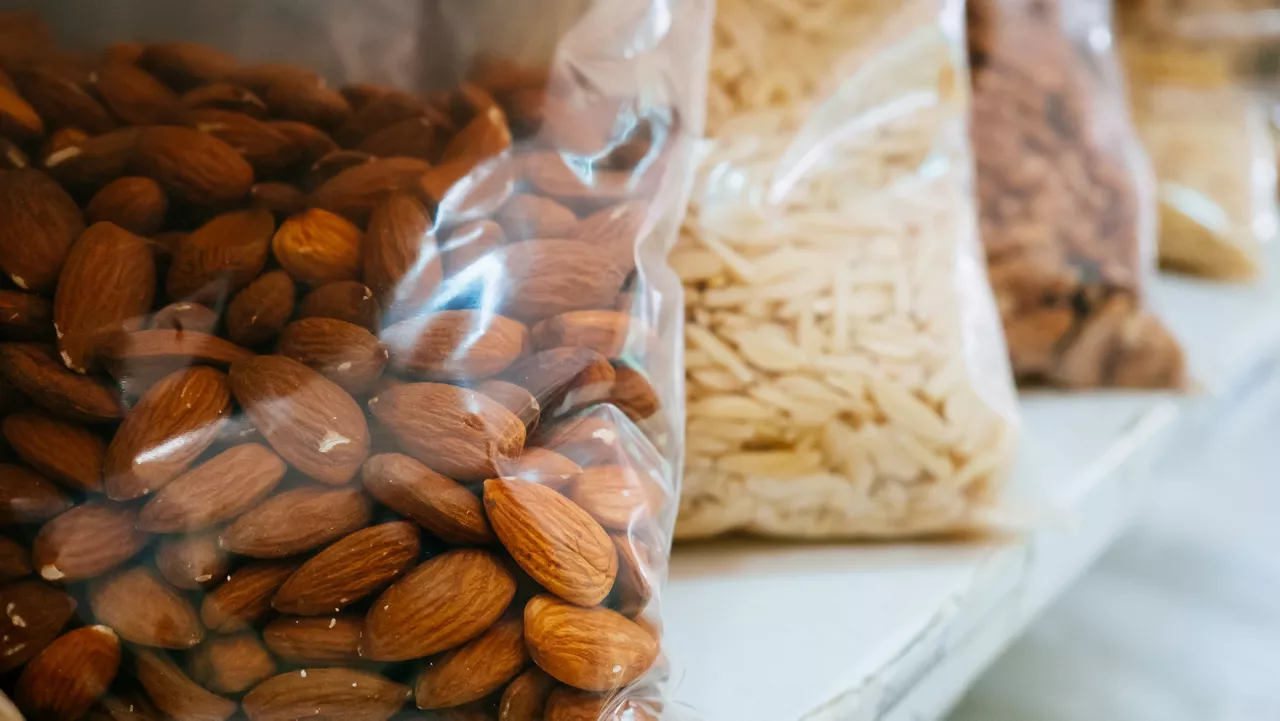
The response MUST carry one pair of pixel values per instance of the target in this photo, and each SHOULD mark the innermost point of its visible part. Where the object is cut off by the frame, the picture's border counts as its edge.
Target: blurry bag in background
(847, 376)
(362, 389)
(1065, 193)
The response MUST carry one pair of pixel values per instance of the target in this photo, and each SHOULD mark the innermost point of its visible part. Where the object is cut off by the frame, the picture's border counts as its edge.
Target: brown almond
(402, 262)
(439, 605)
(551, 175)
(469, 243)
(140, 359)
(307, 99)
(308, 419)
(169, 427)
(26, 316)
(231, 664)
(126, 704)
(458, 432)
(109, 278)
(410, 138)
(90, 164)
(259, 76)
(325, 694)
(37, 372)
(446, 508)
(64, 680)
(526, 696)
(39, 222)
(353, 193)
(617, 496)
(145, 610)
(193, 167)
(184, 65)
(564, 380)
(594, 440)
(175, 694)
(15, 561)
(382, 110)
(542, 466)
(344, 353)
(186, 317)
(349, 570)
(331, 164)
(616, 230)
(245, 596)
(35, 614)
(524, 217)
(514, 398)
(222, 256)
(257, 314)
(268, 150)
(61, 451)
(319, 640)
(312, 142)
(318, 247)
(360, 94)
(18, 119)
(133, 95)
(554, 540)
(549, 277)
(87, 541)
(221, 488)
(633, 393)
(593, 649)
(297, 520)
(455, 345)
(281, 199)
(474, 670)
(61, 101)
(485, 136)
(344, 300)
(134, 203)
(225, 96)
(603, 331)
(193, 561)
(571, 704)
(28, 497)
(127, 51)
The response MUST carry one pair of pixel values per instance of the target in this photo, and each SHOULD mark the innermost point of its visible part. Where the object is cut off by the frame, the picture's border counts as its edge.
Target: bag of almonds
(1064, 189)
(846, 376)
(338, 357)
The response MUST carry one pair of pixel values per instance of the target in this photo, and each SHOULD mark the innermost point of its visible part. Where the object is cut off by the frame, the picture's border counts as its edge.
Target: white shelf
(762, 631)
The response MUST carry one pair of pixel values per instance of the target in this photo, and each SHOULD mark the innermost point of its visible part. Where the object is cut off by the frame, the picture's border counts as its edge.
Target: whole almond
(603, 331)
(282, 199)
(258, 313)
(410, 138)
(312, 142)
(17, 118)
(140, 359)
(269, 151)
(318, 247)
(593, 440)
(354, 192)
(260, 76)
(308, 99)
(349, 569)
(169, 427)
(542, 466)
(469, 243)
(325, 694)
(344, 353)
(439, 605)
(550, 277)
(402, 262)
(134, 203)
(551, 175)
(231, 664)
(221, 488)
(331, 164)
(61, 451)
(36, 613)
(145, 610)
(556, 542)
(27, 497)
(186, 317)
(184, 65)
(126, 704)
(593, 649)
(485, 136)
(109, 278)
(571, 704)
(617, 496)
(222, 256)
(62, 682)
(61, 101)
(345, 300)
(15, 561)
(26, 316)
(526, 696)
(134, 95)
(192, 561)
(458, 432)
(308, 419)
(474, 670)
(297, 520)
(37, 372)
(38, 223)
(524, 217)
(633, 393)
(175, 694)
(87, 541)
(245, 596)
(90, 164)
(319, 640)
(225, 96)
(382, 110)
(193, 167)
(445, 508)
(455, 345)
(514, 398)
(638, 571)
(564, 380)
(617, 229)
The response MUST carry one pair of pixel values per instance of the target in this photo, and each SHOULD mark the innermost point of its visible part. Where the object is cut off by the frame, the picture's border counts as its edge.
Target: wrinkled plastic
(473, 348)
(1065, 194)
(846, 371)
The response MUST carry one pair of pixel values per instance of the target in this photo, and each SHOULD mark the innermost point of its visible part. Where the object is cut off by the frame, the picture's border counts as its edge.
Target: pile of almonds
(319, 403)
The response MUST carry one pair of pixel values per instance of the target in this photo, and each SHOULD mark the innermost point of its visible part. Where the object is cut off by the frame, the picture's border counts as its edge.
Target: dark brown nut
(350, 569)
(297, 521)
(185, 65)
(87, 541)
(15, 561)
(455, 345)
(136, 204)
(28, 497)
(25, 316)
(245, 596)
(192, 562)
(410, 138)
(282, 199)
(354, 192)
(268, 150)
(225, 96)
(12, 157)
(222, 256)
(62, 102)
(38, 223)
(401, 262)
(231, 664)
(469, 243)
(193, 167)
(306, 99)
(63, 681)
(37, 613)
(40, 376)
(438, 504)
(133, 95)
(318, 640)
(344, 353)
(259, 312)
(92, 163)
(312, 142)
(331, 164)
(344, 300)
(63, 452)
(184, 316)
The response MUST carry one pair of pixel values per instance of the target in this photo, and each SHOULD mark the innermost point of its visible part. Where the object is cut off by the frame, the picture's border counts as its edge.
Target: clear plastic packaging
(340, 360)
(1065, 193)
(846, 371)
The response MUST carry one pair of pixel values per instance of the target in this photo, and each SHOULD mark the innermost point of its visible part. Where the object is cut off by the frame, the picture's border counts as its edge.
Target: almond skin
(231, 664)
(60, 100)
(268, 150)
(306, 97)
(550, 277)
(87, 541)
(400, 240)
(325, 694)
(476, 669)
(221, 488)
(524, 217)
(447, 509)
(552, 539)
(169, 427)
(90, 164)
(25, 316)
(593, 649)
(184, 65)
(135, 204)
(348, 570)
(354, 192)
(564, 380)
(191, 562)
(455, 431)
(259, 312)
(39, 222)
(15, 561)
(319, 640)
(344, 353)
(63, 452)
(571, 704)
(318, 247)
(455, 345)
(37, 612)
(617, 496)
(64, 680)
(244, 597)
(439, 605)
(134, 95)
(221, 257)
(37, 372)
(297, 520)
(541, 466)
(177, 695)
(145, 610)
(109, 278)
(514, 398)
(345, 300)
(27, 497)
(309, 420)
(526, 696)
(603, 331)
(193, 167)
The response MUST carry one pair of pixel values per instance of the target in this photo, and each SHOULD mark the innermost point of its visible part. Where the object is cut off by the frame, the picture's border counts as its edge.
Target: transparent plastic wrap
(1065, 194)
(340, 366)
(845, 367)
(1242, 36)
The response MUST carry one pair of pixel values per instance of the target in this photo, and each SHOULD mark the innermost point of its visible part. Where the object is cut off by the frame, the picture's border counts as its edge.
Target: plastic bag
(1238, 35)
(329, 400)
(1065, 196)
(846, 371)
